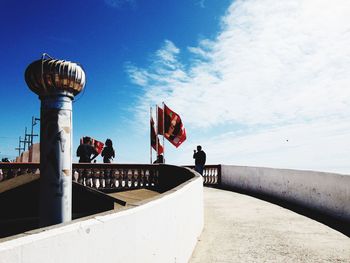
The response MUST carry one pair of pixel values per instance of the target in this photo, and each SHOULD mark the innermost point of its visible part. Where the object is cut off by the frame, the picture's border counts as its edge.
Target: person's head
(109, 143)
(199, 148)
(86, 140)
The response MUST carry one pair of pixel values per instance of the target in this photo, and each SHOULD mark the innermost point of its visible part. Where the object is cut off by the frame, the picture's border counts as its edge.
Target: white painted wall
(326, 192)
(163, 230)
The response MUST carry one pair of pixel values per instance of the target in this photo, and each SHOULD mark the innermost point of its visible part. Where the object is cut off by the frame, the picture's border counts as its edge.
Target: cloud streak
(274, 66)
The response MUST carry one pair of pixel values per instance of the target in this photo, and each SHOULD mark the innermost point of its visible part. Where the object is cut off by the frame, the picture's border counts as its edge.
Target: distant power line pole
(19, 146)
(28, 137)
(31, 135)
(26, 141)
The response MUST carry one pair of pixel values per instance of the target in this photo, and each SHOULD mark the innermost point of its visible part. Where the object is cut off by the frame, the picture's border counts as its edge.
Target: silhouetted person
(160, 159)
(86, 150)
(200, 159)
(108, 152)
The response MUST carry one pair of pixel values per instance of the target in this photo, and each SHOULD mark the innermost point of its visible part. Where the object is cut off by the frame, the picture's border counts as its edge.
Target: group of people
(87, 152)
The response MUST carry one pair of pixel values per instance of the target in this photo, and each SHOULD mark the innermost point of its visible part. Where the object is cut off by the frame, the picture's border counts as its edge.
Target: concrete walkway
(239, 228)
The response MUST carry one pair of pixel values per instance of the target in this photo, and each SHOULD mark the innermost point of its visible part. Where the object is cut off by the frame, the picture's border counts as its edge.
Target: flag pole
(157, 146)
(163, 133)
(150, 135)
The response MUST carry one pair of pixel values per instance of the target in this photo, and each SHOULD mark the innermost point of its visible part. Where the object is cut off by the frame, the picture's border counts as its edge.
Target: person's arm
(93, 157)
(78, 151)
(194, 154)
(95, 153)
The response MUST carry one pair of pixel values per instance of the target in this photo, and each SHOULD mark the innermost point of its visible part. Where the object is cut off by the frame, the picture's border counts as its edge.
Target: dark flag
(160, 117)
(174, 131)
(155, 139)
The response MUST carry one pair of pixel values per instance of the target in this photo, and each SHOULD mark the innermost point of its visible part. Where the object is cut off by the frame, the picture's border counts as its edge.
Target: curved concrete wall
(163, 230)
(327, 193)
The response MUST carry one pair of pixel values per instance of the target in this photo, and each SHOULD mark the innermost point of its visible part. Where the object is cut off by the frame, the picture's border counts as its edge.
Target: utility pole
(26, 141)
(19, 146)
(31, 135)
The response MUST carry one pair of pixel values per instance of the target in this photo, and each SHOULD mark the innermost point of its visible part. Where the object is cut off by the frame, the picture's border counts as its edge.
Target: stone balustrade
(116, 176)
(211, 174)
(111, 176)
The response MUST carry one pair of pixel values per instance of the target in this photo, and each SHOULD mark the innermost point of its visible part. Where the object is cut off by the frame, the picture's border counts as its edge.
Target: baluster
(96, 177)
(154, 177)
(89, 177)
(151, 177)
(4, 174)
(1, 175)
(108, 178)
(136, 178)
(216, 175)
(142, 178)
(80, 176)
(118, 178)
(210, 176)
(129, 178)
(10, 173)
(113, 179)
(206, 178)
(124, 178)
(75, 175)
(32, 170)
(147, 177)
(102, 179)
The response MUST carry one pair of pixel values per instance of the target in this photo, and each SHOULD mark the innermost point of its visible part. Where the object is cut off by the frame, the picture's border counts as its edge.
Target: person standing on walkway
(200, 158)
(108, 152)
(85, 151)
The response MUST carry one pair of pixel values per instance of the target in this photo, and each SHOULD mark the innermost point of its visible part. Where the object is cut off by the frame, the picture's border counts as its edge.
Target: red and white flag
(174, 131)
(155, 139)
(97, 144)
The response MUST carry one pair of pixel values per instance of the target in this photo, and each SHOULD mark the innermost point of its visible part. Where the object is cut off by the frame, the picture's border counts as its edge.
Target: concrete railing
(326, 193)
(164, 229)
(112, 177)
(211, 174)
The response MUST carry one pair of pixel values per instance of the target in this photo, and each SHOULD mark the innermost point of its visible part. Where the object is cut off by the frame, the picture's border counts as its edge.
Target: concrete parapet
(34, 153)
(24, 157)
(327, 193)
(165, 229)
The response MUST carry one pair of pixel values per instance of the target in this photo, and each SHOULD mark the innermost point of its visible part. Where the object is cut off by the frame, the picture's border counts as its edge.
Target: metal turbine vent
(52, 76)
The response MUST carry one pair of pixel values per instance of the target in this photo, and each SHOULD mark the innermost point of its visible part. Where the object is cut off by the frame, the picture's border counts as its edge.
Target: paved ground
(135, 196)
(240, 228)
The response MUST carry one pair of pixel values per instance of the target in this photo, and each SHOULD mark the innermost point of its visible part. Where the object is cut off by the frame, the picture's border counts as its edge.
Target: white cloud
(275, 64)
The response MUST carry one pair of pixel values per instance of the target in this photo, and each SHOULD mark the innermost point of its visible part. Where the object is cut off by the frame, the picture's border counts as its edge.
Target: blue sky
(261, 83)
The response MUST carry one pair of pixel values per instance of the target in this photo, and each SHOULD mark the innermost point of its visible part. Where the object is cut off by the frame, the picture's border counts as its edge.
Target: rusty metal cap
(52, 76)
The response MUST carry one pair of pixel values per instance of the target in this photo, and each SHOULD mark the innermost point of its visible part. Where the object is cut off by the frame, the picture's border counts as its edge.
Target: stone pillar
(56, 82)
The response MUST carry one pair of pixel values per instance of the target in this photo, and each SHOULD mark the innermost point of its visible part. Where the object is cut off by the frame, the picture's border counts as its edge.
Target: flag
(160, 123)
(95, 143)
(174, 131)
(98, 145)
(155, 139)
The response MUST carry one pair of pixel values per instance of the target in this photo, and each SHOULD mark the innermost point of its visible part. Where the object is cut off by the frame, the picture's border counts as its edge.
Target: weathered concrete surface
(135, 196)
(326, 193)
(240, 228)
